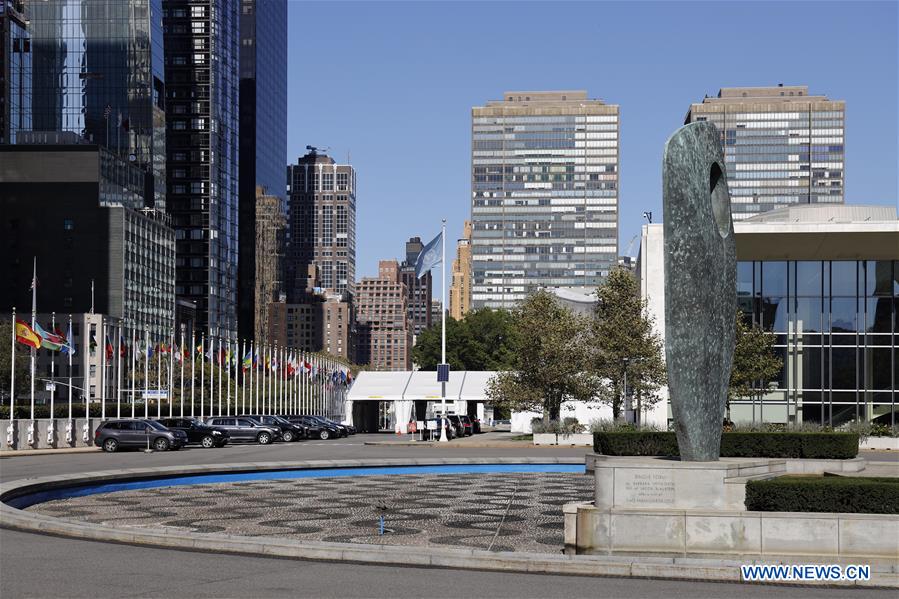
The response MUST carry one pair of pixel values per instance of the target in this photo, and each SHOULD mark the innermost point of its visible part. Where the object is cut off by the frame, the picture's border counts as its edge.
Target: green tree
(548, 362)
(480, 341)
(624, 344)
(755, 363)
(23, 364)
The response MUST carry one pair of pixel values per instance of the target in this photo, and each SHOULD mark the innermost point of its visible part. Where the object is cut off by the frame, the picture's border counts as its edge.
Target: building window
(68, 224)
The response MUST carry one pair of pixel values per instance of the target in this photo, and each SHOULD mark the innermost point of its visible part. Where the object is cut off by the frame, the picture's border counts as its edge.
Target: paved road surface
(44, 566)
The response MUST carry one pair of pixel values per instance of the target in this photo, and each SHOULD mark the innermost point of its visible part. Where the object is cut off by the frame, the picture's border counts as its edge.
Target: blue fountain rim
(82, 490)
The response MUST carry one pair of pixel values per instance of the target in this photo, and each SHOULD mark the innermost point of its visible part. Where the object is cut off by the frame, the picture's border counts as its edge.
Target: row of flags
(291, 365)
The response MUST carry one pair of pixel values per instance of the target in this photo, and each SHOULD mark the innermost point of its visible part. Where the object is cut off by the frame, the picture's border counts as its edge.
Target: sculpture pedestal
(660, 483)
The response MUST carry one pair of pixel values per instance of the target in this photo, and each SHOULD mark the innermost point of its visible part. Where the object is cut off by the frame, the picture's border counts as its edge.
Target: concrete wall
(40, 441)
(589, 530)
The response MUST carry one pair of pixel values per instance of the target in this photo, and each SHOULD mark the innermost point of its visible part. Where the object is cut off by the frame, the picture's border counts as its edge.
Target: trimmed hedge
(733, 445)
(857, 495)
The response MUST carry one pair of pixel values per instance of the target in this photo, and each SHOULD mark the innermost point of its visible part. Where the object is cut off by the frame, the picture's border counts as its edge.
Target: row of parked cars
(163, 434)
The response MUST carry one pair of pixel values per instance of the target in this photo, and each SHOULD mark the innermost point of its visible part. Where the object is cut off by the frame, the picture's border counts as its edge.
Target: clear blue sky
(392, 84)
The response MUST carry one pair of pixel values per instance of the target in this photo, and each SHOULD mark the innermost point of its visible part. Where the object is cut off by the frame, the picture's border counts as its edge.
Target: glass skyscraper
(15, 70)
(201, 57)
(97, 70)
(263, 133)
(781, 146)
(544, 187)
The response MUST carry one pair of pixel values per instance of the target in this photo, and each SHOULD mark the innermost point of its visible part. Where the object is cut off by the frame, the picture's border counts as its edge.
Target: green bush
(568, 426)
(648, 443)
(733, 445)
(841, 494)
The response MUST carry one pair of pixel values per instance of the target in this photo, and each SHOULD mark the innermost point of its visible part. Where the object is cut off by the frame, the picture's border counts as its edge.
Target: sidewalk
(14, 453)
(491, 439)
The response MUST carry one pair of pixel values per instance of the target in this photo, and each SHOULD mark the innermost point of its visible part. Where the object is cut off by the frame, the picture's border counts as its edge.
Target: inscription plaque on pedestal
(644, 488)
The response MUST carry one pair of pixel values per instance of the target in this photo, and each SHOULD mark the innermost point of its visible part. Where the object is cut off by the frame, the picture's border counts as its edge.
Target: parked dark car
(317, 428)
(458, 425)
(350, 429)
(197, 431)
(289, 431)
(476, 426)
(466, 422)
(113, 434)
(245, 429)
(342, 429)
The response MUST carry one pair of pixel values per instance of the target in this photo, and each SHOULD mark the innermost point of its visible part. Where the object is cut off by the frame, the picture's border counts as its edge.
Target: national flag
(50, 341)
(69, 347)
(178, 355)
(123, 347)
(108, 350)
(429, 257)
(149, 352)
(248, 361)
(26, 335)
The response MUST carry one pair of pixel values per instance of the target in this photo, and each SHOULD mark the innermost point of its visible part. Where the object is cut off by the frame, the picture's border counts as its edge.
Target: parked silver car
(245, 429)
(113, 434)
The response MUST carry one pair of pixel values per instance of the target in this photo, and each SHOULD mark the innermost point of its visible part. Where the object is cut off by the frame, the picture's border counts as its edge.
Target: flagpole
(220, 358)
(443, 329)
(12, 384)
(181, 359)
(211, 373)
(159, 379)
(105, 337)
(202, 374)
(33, 350)
(118, 406)
(133, 369)
(70, 342)
(146, 371)
(171, 393)
(193, 365)
(52, 421)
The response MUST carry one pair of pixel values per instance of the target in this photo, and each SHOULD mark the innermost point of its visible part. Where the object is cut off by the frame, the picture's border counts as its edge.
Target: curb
(14, 453)
(470, 559)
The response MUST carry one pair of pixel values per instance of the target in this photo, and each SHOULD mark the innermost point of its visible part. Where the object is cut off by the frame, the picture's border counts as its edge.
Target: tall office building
(544, 187)
(78, 210)
(384, 333)
(322, 224)
(460, 290)
(269, 238)
(781, 145)
(418, 290)
(201, 55)
(15, 70)
(96, 69)
(263, 133)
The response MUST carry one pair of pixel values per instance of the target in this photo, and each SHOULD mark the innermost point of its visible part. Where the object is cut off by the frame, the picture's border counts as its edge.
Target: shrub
(568, 426)
(733, 445)
(648, 443)
(824, 494)
(604, 425)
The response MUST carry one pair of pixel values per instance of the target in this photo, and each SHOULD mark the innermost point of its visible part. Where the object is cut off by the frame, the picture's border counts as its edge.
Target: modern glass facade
(96, 69)
(15, 71)
(781, 146)
(263, 133)
(544, 187)
(837, 331)
(201, 67)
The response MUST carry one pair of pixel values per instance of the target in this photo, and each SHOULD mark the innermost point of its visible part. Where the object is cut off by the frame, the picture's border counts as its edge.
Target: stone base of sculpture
(664, 507)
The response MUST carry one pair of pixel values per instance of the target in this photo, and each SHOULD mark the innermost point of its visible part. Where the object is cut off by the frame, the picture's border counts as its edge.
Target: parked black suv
(113, 434)
(342, 429)
(458, 425)
(289, 430)
(197, 431)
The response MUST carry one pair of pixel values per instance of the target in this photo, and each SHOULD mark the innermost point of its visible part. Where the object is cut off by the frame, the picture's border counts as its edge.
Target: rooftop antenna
(314, 150)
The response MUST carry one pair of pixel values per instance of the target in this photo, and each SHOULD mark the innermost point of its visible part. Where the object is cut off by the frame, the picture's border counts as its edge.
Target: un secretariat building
(544, 187)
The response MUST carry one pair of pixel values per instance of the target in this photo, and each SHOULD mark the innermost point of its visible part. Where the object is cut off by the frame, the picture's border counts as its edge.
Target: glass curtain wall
(836, 330)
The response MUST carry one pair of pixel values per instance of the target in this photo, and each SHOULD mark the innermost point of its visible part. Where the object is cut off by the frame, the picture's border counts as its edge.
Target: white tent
(403, 388)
